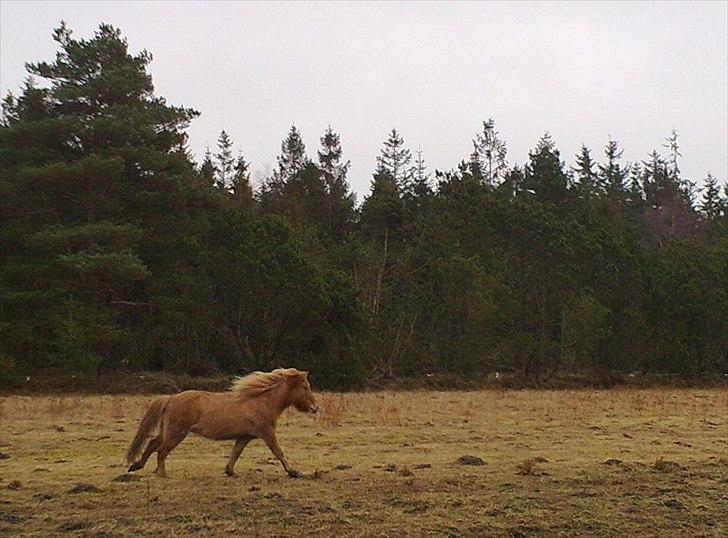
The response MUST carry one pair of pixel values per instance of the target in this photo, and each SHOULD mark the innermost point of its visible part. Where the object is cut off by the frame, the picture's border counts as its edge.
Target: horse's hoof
(231, 474)
(295, 474)
(134, 467)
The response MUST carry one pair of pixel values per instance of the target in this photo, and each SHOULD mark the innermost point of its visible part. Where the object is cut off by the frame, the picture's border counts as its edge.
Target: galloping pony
(249, 410)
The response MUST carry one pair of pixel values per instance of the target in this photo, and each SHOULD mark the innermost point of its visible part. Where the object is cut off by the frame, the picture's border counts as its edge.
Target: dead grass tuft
(333, 409)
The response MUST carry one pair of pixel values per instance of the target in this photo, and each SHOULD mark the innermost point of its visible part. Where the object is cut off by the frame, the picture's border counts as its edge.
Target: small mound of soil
(82, 487)
(466, 459)
(666, 466)
(390, 468)
(612, 461)
(406, 471)
(343, 467)
(4, 456)
(13, 484)
(127, 477)
(71, 526)
(674, 504)
(423, 466)
(528, 468)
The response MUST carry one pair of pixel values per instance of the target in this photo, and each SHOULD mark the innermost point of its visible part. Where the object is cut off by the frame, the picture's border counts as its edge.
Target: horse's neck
(279, 398)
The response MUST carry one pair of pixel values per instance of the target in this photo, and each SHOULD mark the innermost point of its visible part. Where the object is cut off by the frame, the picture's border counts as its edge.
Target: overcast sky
(583, 72)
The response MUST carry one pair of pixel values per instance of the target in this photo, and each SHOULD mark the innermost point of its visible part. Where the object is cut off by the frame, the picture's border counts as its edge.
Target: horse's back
(188, 407)
(217, 415)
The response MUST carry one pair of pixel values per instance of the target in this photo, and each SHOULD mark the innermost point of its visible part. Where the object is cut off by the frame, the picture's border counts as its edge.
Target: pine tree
(489, 155)
(396, 160)
(612, 175)
(208, 170)
(587, 185)
(88, 214)
(242, 189)
(225, 162)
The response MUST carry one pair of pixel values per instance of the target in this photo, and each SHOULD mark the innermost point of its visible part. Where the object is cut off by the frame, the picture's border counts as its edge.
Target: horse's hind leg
(235, 454)
(172, 437)
(151, 448)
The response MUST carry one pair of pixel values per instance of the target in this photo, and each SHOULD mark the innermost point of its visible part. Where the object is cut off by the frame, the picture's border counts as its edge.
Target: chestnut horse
(249, 410)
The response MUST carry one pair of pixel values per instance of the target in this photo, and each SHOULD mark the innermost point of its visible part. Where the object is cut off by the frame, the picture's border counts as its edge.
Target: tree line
(120, 252)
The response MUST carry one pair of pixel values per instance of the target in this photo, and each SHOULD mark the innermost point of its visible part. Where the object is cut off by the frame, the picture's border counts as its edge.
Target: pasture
(555, 463)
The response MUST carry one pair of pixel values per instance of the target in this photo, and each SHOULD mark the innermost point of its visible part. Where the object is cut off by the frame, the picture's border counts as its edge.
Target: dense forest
(119, 252)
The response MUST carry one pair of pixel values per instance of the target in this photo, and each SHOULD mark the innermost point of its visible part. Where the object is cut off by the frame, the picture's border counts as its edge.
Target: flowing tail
(149, 422)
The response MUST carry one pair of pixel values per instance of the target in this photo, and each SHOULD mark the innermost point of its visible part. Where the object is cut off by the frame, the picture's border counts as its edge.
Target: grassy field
(565, 463)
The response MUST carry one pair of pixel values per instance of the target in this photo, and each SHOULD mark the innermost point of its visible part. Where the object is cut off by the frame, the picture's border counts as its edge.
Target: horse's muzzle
(313, 409)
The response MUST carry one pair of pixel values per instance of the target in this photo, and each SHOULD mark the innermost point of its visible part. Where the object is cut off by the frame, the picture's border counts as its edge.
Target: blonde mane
(257, 383)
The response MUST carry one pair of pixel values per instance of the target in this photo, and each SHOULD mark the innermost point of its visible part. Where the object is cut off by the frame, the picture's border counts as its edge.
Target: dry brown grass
(567, 463)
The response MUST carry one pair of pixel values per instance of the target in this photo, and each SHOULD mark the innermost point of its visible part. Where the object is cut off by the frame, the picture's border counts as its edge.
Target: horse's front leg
(270, 439)
(235, 454)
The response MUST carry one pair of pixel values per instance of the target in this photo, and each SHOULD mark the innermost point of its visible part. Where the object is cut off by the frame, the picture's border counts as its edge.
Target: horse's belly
(216, 429)
(213, 431)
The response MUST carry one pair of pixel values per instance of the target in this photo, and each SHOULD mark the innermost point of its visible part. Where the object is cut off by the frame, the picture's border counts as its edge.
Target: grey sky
(435, 71)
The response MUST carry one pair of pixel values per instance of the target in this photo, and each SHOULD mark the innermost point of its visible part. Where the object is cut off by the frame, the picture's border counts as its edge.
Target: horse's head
(301, 395)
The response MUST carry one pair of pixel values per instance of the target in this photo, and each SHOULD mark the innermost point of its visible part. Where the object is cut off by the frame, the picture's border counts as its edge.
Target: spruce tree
(225, 162)
(291, 160)
(612, 175)
(673, 146)
(685, 185)
(420, 184)
(334, 170)
(587, 181)
(711, 204)
(293, 156)
(474, 165)
(382, 212)
(635, 195)
(544, 175)
(396, 160)
(241, 187)
(208, 170)
(489, 155)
